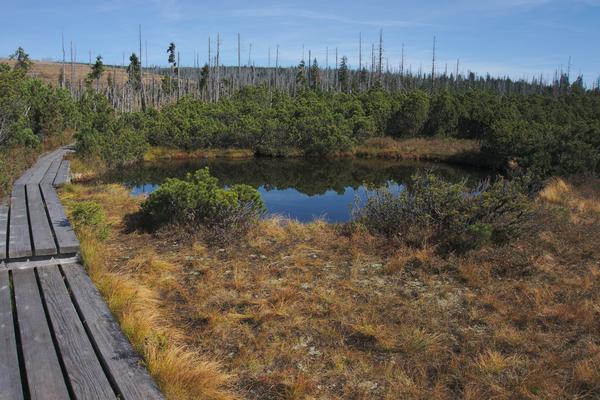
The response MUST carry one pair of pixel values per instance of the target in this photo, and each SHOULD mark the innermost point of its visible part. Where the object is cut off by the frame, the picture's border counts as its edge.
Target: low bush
(452, 215)
(115, 139)
(199, 201)
(89, 215)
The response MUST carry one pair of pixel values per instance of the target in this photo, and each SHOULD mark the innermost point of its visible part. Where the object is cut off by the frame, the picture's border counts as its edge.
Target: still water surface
(303, 189)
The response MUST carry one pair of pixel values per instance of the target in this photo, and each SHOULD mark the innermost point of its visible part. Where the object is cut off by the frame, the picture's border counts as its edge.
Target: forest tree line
(156, 86)
(544, 131)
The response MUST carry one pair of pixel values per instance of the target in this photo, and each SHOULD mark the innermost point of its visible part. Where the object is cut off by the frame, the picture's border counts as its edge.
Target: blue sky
(516, 37)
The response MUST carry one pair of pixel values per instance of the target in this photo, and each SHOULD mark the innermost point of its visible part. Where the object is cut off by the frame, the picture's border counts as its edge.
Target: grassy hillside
(49, 72)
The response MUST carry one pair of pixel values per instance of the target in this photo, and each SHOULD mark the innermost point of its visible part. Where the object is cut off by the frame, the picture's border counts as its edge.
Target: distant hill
(49, 72)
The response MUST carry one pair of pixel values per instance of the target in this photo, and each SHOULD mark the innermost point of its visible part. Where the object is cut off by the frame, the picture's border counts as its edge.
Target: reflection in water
(303, 189)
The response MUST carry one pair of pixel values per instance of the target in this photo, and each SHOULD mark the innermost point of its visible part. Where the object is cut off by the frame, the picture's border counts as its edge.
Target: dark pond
(303, 189)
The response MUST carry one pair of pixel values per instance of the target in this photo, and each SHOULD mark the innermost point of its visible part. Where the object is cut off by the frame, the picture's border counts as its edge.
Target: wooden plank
(27, 176)
(42, 166)
(65, 236)
(23, 179)
(123, 363)
(19, 243)
(10, 376)
(52, 171)
(3, 228)
(43, 239)
(44, 375)
(39, 170)
(87, 378)
(62, 176)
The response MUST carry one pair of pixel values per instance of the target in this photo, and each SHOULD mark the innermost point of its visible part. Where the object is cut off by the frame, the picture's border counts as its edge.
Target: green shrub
(122, 146)
(456, 217)
(116, 139)
(199, 201)
(89, 215)
(24, 136)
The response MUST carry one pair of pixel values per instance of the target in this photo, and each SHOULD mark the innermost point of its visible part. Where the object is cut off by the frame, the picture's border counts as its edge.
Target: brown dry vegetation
(49, 72)
(433, 149)
(461, 151)
(163, 153)
(314, 312)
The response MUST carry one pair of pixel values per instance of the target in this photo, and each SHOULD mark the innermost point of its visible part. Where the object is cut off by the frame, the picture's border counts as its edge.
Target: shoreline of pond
(459, 152)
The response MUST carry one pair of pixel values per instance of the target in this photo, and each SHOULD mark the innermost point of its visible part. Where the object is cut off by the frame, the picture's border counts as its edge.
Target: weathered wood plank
(65, 236)
(3, 228)
(52, 171)
(40, 169)
(62, 176)
(24, 179)
(43, 239)
(44, 376)
(10, 376)
(83, 367)
(124, 364)
(19, 243)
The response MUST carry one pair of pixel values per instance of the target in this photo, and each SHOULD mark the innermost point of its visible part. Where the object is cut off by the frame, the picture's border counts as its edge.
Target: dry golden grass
(162, 153)
(433, 149)
(305, 311)
(49, 72)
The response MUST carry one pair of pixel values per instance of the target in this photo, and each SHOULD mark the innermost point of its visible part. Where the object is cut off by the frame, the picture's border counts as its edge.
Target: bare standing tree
(456, 76)
(63, 76)
(178, 78)
(142, 91)
(380, 64)
(276, 66)
(433, 65)
(239, 70)
(402, 63)
(218, 66)
(360, 51)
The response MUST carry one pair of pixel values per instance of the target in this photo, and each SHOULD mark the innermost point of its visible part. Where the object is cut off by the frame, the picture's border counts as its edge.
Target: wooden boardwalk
(33, 223)
(58, 339)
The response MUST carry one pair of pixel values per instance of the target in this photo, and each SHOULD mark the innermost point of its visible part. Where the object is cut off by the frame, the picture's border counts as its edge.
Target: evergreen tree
(134, 71)
(301, 74)
(23, 63)
(315, 80)
(168, 82)
(96, 71)
(344, 76)
(171, 52)
(204, 74)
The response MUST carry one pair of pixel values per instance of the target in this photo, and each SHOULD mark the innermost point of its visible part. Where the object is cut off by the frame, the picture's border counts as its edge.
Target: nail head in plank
(124, 364)
(19, 243)
(65, 236)
(43, 239)
(44, 375)
(10, 376)
(3, 228)
(83, 367)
